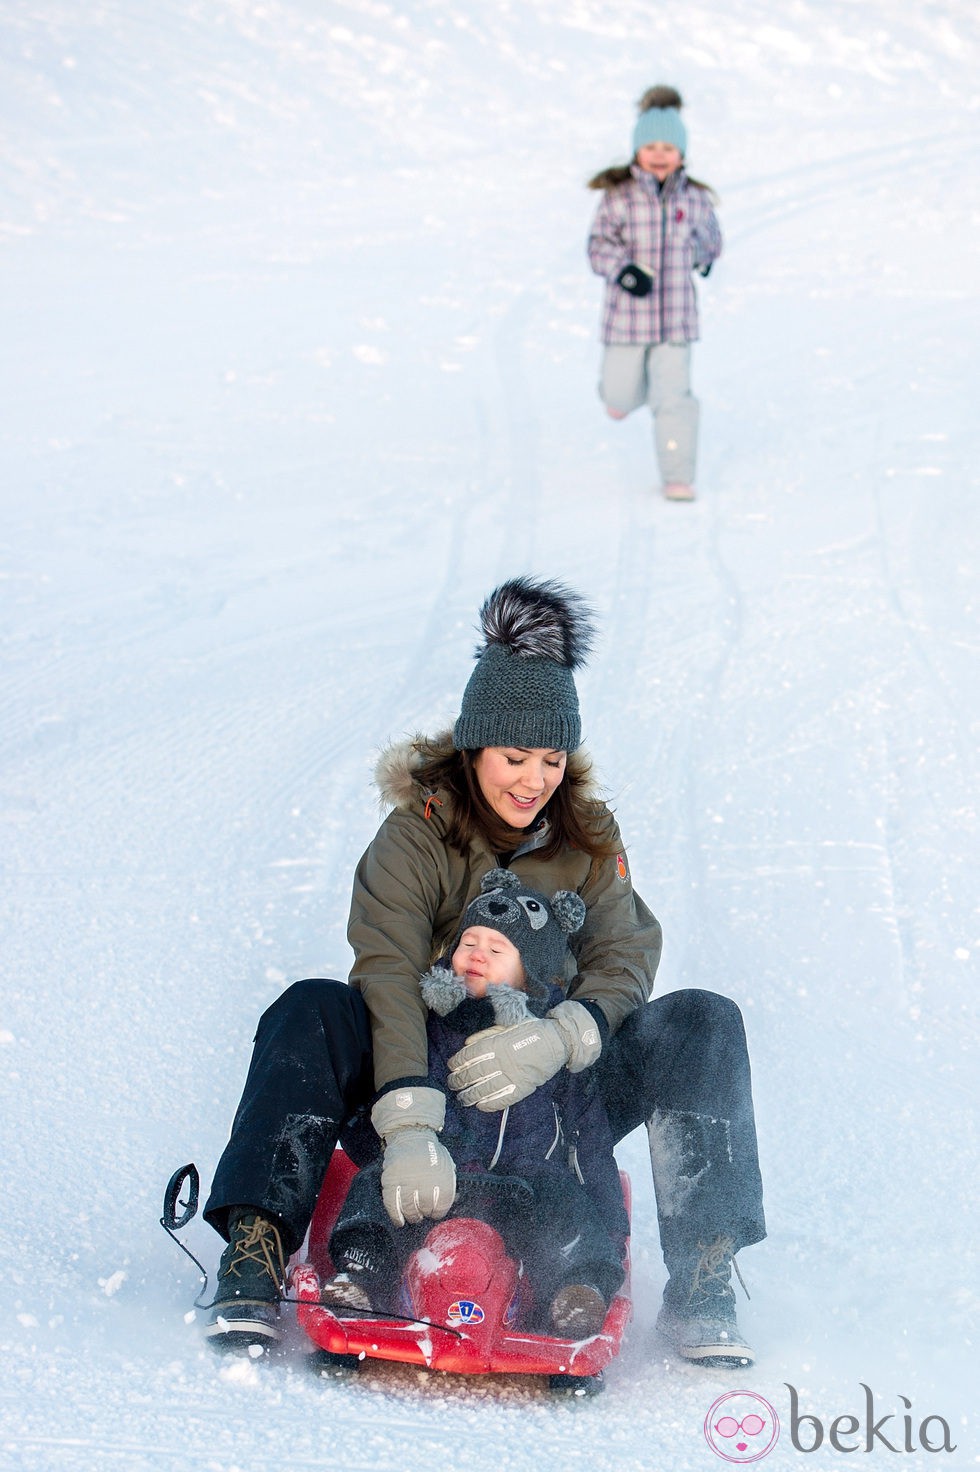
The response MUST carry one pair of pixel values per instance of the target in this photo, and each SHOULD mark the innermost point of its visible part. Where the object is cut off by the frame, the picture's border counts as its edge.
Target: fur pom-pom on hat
(522, 692)
(539, 621)
(660, 96)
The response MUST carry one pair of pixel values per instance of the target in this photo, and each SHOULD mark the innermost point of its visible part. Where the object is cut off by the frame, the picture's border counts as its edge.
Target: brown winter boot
(578, 1311)
(251, 1278)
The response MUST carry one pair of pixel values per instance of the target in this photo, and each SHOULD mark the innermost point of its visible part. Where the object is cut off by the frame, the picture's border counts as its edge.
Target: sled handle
(172, 1223)
(170, 1219)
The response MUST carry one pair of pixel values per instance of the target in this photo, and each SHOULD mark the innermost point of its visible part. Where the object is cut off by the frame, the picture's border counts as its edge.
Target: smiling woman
(508, 789)
(517, 783)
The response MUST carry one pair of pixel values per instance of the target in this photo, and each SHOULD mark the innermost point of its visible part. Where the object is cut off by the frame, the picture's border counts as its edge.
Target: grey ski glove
(503, 1065)
(418, 1177)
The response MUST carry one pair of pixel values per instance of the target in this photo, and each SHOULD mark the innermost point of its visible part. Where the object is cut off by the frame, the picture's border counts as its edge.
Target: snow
(298, 360)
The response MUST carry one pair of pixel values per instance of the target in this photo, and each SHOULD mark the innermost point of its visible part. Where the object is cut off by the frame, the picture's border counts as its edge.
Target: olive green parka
(411, 888)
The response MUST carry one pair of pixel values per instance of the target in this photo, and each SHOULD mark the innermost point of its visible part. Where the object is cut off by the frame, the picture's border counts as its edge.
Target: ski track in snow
(299, 359)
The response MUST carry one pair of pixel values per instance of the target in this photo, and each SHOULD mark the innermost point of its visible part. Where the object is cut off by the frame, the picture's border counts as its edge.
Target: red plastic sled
(467, 1297)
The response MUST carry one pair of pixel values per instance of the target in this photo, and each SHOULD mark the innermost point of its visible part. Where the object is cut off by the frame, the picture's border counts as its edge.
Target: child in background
(654, 227)
(565, 1222)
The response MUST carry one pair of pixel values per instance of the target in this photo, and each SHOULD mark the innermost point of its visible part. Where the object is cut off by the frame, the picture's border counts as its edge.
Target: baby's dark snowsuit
(570, 1226)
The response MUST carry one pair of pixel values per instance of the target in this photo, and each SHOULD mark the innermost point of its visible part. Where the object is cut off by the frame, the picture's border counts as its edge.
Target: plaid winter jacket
(670, 230)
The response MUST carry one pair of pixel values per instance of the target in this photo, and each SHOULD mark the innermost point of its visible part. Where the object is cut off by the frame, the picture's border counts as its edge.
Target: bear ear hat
(499, 879)
(568, 909)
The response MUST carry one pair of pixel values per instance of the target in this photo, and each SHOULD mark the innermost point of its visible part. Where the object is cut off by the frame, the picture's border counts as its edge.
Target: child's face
(486, 958)
(659, 159)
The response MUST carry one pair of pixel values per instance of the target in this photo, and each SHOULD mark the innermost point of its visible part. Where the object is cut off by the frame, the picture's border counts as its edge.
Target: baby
(553, 1149)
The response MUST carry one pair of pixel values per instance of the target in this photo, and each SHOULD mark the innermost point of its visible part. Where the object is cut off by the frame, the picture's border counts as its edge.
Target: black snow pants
(679, 1065)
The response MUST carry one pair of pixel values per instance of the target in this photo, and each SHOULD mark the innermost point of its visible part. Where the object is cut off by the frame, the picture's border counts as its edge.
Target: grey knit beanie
(522, 692)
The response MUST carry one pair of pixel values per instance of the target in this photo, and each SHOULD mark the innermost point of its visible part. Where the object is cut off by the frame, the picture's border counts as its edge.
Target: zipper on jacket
(554, 1144)
(662, 293)
(573, 1159)
(500, 1138)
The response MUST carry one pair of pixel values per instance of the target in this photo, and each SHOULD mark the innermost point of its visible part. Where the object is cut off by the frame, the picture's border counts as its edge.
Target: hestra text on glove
(418, 1175)
(503, 1065)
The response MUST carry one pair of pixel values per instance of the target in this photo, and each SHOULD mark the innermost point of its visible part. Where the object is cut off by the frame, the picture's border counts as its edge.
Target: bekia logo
(742, 1426)
(868, 1433)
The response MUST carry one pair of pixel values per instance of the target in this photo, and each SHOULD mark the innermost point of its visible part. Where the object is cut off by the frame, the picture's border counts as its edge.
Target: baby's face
(486, 958)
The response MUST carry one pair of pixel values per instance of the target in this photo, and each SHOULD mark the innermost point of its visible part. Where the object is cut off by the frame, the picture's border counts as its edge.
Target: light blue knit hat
(660, 125)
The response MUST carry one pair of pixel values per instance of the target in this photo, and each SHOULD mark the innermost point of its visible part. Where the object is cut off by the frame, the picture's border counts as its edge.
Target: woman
(509, 787)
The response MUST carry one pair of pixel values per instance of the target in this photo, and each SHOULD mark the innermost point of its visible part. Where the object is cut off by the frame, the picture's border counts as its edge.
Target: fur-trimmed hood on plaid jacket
(670, 230)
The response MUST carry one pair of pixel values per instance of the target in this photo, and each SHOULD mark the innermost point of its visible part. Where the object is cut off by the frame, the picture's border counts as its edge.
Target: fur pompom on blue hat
(660, 118)
(660, 125)
(522, 692)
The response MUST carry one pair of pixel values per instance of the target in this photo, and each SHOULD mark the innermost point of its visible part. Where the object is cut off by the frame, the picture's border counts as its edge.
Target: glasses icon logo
(741, 1426)
(751, 1426)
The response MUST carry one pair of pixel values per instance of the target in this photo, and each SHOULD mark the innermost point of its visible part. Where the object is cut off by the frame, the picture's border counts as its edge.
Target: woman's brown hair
(573, 814)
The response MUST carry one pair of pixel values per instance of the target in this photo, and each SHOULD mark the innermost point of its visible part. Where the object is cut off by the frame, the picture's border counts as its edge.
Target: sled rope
(176, 1215)
(376, 1313)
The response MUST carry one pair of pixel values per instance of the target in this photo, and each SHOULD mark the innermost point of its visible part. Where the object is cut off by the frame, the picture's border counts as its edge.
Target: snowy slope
(298, 359)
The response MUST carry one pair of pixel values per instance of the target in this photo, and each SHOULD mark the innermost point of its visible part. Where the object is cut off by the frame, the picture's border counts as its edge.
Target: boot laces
(712, 1275)
(259, 1242)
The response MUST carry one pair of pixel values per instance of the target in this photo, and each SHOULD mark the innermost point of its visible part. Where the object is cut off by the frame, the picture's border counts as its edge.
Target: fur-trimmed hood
(398, 767)
(399, 764)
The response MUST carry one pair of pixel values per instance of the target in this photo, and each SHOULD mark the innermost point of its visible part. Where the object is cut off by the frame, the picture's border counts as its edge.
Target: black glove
(635, 280)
